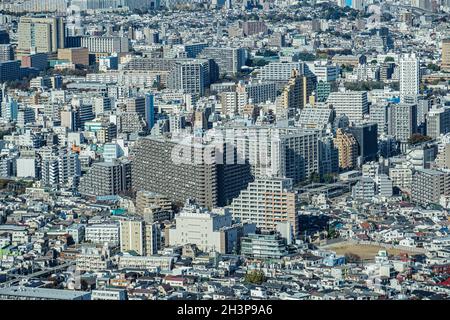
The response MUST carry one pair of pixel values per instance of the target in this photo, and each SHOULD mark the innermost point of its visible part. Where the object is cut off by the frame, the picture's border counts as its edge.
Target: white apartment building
(102, 233)
(266, 202)
(409, 78)
(196, 225)
(146, 262)
(353, 104)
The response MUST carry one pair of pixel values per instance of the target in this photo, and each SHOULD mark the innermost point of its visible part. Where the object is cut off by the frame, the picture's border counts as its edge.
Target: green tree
(255, 277)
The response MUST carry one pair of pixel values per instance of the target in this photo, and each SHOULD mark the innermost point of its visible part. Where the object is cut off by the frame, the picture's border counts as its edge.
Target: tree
(418, 138)
(314, 178)
(352, 258)
(255, 277)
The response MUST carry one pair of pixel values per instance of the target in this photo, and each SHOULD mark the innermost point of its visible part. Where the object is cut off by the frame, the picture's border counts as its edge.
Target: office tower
(409, 78)
(423, 107)
(228, 60)
(438, 121)
(428, 186)
(6, 52)
(402, 122)
(366, 136)
(106, 178)
(190, 76)
(9, 70)
(177, 169)
(348, 149)
(267, 201)
(379, 115)
(9, 109)
(291, 99)
(353, 104)
(42, 35)
(210, 231)
(445, 65)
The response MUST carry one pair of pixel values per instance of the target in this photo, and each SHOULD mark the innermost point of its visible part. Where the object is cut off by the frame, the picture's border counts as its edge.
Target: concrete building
(428, 186)
(159, 168)
(208, 230)
(77, 56)
(409, 78)
(402, 122)
(228, 60)
(366, 136)
(353, 104)
(267, 201)
(264, 246)
(438, 121)
(103, 233)
(445, 64)
(40, 35)
(139, 236)
(106, 178)
(347, 149)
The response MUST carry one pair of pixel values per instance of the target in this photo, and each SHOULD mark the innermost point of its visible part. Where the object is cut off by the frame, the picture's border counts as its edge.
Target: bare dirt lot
(365, 252)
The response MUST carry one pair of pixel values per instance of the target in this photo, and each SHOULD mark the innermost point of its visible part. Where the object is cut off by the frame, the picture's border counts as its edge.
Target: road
(37, 274)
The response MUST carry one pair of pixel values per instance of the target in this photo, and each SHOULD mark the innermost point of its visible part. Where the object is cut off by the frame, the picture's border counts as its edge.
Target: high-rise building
(106, 178)
(347, 148)
(267, 201)
(429, 185)
(139, 236)
(366, 136)
(438, 121)
(41, 35)
(191, 76)
(353, 104)
(291, 99)
(228, 60)
(177, 169)
(9, 70)
(409, 78)
(445, 65)
(6, 52)
(379, 115)
(402, 122)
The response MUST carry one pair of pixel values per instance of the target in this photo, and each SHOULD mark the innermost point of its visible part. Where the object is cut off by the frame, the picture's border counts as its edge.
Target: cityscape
(258, 150)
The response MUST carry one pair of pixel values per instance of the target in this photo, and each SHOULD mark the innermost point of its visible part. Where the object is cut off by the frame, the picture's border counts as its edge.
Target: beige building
(148, 199)
(291, 98)
(266, 202)
(347, 149)
(74, 55)
(139, 236)
(445, 65)
(42, 35)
